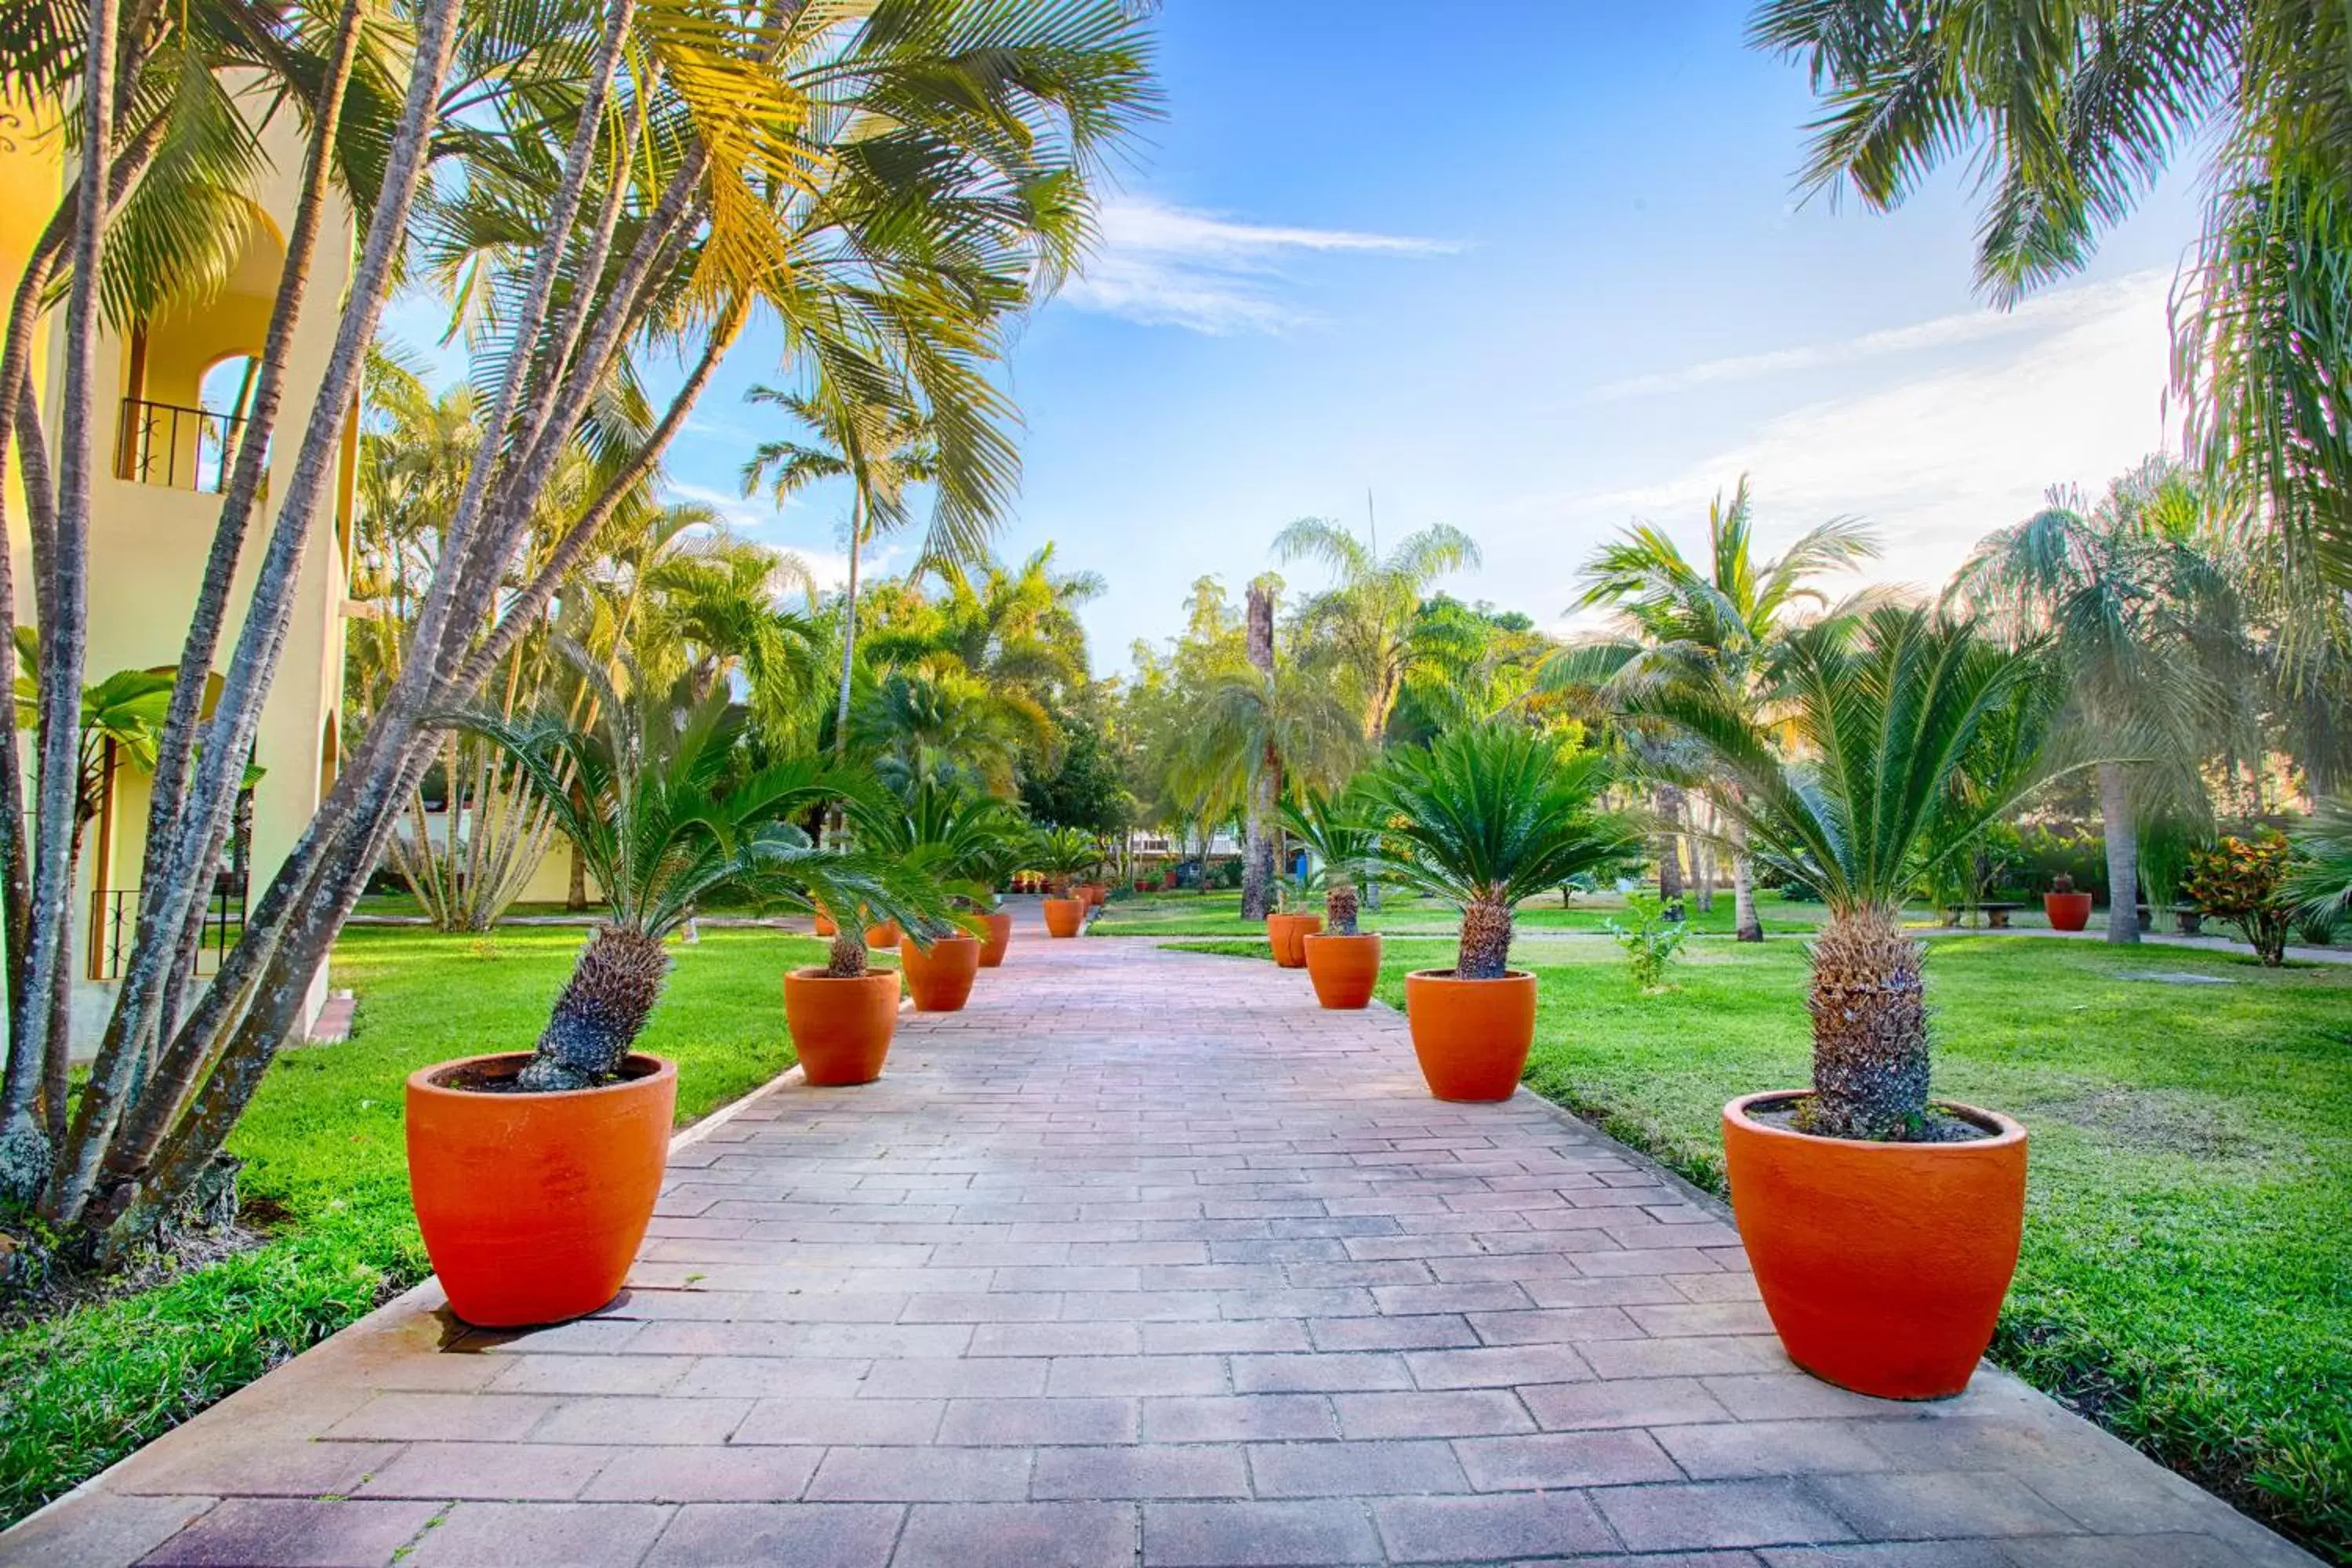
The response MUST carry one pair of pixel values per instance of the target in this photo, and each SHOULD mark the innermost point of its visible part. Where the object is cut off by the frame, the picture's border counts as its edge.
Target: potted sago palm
(1286, 926)
(958, 842)
(1063, 854)
(1482, 818)
(1342, 963)
(1883, 1224)
(534, 1172)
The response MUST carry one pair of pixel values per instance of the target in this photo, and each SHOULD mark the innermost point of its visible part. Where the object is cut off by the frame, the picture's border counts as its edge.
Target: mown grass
(323, 1154)
(1218, 914)
(2186, 1275)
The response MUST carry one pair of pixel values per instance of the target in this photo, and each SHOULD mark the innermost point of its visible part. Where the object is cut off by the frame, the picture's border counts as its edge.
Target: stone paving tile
(1142, 1257)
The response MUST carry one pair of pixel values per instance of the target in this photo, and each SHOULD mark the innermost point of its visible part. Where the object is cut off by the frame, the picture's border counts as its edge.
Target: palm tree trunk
(1745, 925)
(1869, 1007)
(849, 628)
(1670, 850)
(1258, 864)
(2118, 821)
(1485, 949)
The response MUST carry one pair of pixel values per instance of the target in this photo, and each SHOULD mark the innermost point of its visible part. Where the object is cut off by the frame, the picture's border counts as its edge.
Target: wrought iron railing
(180, 448)
(114, 922)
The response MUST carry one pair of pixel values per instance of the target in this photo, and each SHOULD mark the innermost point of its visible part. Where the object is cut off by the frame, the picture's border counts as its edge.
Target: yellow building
(167, 395)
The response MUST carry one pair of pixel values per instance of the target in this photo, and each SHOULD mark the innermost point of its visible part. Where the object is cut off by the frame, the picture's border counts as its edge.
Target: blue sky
(1535, 270)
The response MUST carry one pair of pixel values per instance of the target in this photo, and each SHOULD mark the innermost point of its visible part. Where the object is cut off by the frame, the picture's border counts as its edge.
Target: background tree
(1364, 624)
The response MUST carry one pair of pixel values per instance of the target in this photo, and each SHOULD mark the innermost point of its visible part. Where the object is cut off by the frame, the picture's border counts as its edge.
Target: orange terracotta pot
(999, 938)
(532, 1204)
(2067, 911)
(1471, 1037)
(824, 926)
(841, 1026)
(1283, 933)
(1064, 916)
(884, 935)
(1882, 1265)
(1342, 968)
(940, 980)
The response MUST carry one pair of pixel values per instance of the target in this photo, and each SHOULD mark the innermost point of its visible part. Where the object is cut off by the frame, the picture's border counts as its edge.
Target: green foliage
(2323, 880)
(1064, 853)
(1651, 944)
(1085, 790)
(2244, 882)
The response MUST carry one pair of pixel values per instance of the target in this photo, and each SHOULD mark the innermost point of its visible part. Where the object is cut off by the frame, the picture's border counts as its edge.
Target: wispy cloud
(2039, 316)
(1933, 459)
(1171, 265)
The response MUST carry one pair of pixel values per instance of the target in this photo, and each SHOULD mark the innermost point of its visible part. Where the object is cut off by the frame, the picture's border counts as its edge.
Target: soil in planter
(500, 1079)
(1942, 1127)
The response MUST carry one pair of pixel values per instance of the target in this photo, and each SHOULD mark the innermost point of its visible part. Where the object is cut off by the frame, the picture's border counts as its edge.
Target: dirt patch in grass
(2163, 1122)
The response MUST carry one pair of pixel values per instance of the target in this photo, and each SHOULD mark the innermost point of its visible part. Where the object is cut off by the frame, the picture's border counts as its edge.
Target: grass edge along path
(324, 1158)
(2183, 1282)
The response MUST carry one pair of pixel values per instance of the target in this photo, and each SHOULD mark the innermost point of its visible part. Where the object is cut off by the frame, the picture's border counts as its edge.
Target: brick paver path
(1140, 1259)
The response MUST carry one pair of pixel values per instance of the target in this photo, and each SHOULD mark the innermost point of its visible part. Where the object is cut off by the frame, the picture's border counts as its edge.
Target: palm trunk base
(846, 960)
(1486, 942)
(601, 1013)
(1869, 1007)
(1339, 908)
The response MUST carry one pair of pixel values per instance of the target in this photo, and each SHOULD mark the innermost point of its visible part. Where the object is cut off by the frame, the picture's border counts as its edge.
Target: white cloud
(2038, 316)
(1170, 266)
(750, 516)
(1933, 461)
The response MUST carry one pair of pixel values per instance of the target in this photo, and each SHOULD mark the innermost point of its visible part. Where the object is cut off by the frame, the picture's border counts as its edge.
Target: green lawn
(1218, 914)
(322, 1143)
(2187, 1266)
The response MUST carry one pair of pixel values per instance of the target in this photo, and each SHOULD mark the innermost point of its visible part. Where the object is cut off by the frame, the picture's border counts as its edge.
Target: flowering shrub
(2244, 882)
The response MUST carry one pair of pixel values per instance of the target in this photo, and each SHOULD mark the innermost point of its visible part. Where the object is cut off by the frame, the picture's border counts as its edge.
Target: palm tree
(663, 818)
(895, 186)
(1336, 830)
(881, 449)
(2323, 880)
(2066, 120)
(1365, 621)
(1883, 718)
(1484, 817)
(2121, 592)
(1718, 625)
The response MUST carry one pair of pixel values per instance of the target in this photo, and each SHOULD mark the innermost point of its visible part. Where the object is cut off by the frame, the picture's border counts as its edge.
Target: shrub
(2244, 882)
(1651, 942)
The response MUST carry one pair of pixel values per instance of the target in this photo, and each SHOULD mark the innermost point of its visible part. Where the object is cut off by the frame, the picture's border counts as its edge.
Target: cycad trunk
(1486, 942)
(1870, 1028)
(601, 1013)
(846, 960)
(2119, 821)
(1339, 910)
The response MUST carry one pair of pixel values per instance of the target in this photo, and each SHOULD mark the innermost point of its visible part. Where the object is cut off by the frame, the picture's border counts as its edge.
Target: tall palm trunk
(1670, 850)
(2118, 820)
(1485, 949)
(1265, 782)
(1745, 926)
(1869, 1005)
(848, 627)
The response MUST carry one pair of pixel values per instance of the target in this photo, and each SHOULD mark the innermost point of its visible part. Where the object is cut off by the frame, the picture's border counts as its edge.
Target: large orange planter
(532, 1204)
(1064, 916)
(1342, 968)
(1882, 1265)
(2067, 911)
(1471, 1037)
(1283, 933)
(841, 1026)
(999, 938)
(940, 980)
(884, 935)
(824, 926)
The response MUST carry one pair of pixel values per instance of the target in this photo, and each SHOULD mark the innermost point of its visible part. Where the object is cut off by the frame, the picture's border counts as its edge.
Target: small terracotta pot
(882, 935)
(1882, 1265)
(1471, 1037)
(841, 1025)
(1282, 934)
(824, 926)
(940, 980)
(2067, 911)
(1064, 916)
(999, 938)
(532, 1204)
(1342, 968)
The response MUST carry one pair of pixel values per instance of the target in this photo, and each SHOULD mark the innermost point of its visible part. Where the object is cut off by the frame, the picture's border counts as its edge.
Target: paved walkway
(1140, 1259)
